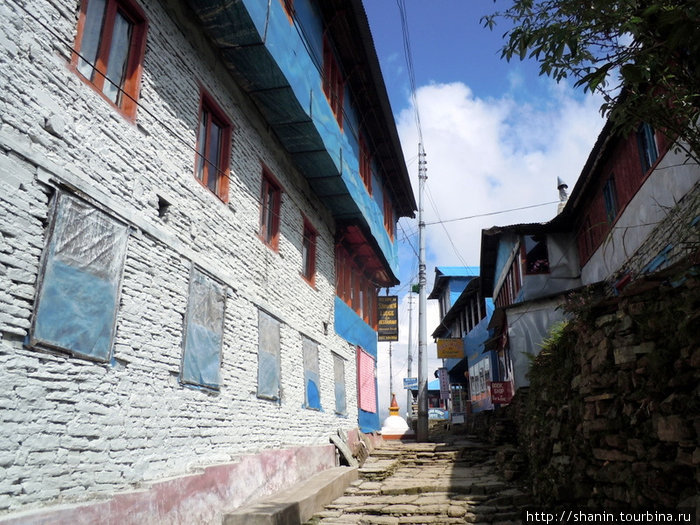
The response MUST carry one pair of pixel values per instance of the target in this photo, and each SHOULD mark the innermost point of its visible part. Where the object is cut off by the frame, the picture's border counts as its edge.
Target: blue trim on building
(354, 330)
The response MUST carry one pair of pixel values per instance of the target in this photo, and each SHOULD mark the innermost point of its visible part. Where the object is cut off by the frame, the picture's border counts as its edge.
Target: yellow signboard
(388, 318)
(450, 348)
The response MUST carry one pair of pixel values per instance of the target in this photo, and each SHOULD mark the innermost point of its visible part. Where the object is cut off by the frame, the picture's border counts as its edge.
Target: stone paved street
(436, 483)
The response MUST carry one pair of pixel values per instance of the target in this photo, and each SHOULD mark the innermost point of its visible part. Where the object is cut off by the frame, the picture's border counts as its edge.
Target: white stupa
(395, 427)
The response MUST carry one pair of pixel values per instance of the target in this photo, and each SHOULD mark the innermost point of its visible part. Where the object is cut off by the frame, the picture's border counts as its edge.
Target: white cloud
(487, 155)
(483, 155)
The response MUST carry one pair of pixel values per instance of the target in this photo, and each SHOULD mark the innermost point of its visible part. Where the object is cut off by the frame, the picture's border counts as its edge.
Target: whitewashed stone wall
(71, 429)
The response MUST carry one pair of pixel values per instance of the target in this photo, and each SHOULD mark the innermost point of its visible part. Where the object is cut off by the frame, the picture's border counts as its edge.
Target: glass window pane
(270, 220)
(92, 31)
(118, 58)
(214, 156)
(201, 143)
(78, 297)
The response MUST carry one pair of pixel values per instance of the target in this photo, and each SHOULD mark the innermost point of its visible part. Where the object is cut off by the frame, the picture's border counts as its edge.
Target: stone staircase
(415, 483)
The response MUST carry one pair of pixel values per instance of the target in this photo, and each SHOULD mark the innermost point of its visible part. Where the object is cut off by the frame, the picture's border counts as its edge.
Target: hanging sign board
(444, 383)
(387, 318)
(450, 348)
(410, 382)
(501, 392)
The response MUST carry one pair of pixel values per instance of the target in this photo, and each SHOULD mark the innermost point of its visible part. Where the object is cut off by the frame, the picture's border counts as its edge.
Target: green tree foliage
(643, 56)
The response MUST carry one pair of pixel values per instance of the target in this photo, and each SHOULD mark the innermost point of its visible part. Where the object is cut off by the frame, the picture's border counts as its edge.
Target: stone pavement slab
(432, 483)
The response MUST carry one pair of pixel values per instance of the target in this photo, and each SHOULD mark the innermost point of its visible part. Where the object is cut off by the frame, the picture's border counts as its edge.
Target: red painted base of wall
(194, 498)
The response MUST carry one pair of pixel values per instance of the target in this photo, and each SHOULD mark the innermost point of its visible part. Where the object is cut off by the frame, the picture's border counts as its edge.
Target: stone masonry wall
(611, 418)
(72, 429)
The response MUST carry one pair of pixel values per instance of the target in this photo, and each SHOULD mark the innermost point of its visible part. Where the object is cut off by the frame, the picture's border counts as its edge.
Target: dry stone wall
(612, 415)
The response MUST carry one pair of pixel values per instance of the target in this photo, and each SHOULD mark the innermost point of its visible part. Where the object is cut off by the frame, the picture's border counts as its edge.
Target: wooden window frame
(610, 201)
(365, 164)
(333, 83)
(128, 102)
(222, 168)
(308, 270)
(646, 142)
(524, 253)
(388, 214)
(269, 233)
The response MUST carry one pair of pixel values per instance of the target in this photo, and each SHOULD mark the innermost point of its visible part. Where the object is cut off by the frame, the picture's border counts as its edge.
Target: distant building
(198, 204)
(635, 209)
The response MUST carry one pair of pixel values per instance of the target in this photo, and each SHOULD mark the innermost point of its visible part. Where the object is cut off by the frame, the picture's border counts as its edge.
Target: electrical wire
(169, 129)
(490, 213)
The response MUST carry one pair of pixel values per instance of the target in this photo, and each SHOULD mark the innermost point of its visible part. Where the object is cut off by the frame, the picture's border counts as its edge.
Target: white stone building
(172, 203)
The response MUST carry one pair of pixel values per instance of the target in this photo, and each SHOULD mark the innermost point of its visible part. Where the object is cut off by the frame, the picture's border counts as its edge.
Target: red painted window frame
(333, 83)
(388, 214)
(269, 181)
(308, 271)
(365, 164)
(137, 47)
(222, 169)
(349, 281)
(288, 6)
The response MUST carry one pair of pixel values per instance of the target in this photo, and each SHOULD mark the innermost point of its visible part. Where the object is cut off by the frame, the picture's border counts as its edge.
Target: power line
(409, 65)
(490, 213)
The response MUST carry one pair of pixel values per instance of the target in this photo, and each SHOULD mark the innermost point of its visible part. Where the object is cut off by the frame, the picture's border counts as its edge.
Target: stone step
(298, 503)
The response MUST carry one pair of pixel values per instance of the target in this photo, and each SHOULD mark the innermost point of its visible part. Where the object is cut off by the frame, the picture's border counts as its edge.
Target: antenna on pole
(422, 424)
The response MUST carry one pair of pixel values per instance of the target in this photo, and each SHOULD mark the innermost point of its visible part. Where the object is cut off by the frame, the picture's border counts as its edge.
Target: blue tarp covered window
(311, 375)
(79, 290)
(204, 328)
(339, 373)
(268, 356)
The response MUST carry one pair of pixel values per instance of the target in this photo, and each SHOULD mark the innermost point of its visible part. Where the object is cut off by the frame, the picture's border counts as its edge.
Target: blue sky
(496, 135)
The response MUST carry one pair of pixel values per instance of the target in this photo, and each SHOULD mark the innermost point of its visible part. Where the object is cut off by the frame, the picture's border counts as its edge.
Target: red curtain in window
(366, 385)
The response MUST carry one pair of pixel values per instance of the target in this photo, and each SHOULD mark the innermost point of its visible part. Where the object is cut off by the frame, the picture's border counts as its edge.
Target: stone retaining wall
(611, 418)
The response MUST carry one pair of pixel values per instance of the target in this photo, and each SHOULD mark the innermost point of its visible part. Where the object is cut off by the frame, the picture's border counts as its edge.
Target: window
(536, 255)
(109, 50)
(647, 146)
(365, 164)
(610, 199)
(312, 392)
(339, 376)
(388, 214)
(333, 81)
(213, 147)
(366, 382)
(204, 331)
(269, 367)
(308, 252)
(80, 280)
(270, 202)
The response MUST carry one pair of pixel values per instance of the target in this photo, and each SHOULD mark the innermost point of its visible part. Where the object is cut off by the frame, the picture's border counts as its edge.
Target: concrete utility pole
(409, 396)
(391, 375)
(422, 425)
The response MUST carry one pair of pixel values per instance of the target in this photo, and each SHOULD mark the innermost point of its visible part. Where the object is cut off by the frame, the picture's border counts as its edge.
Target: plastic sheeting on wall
(201, 359)
(268, 356)
(527, 328)
(79, 290)
(339, 375)
(311, 374)
(366, 382)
